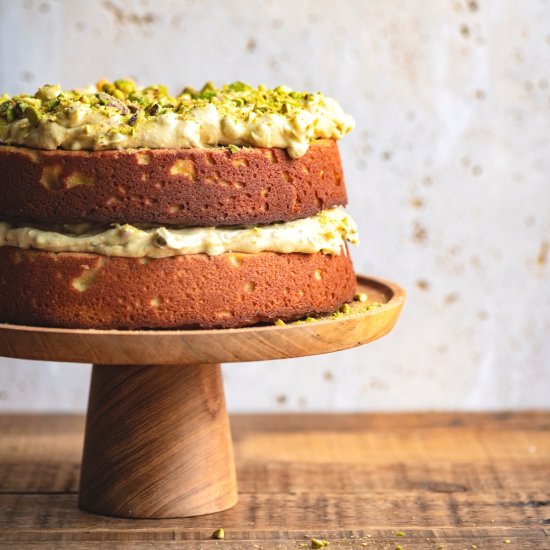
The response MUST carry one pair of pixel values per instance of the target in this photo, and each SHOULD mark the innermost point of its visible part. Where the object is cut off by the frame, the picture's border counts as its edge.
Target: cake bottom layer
(82, 290)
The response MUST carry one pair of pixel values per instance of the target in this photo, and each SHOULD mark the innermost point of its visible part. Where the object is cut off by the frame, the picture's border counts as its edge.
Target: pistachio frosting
(325, 232)
(122, 115)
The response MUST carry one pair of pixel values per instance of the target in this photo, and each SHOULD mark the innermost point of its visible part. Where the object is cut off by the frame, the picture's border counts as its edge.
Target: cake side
(193, 187)
(82, 290)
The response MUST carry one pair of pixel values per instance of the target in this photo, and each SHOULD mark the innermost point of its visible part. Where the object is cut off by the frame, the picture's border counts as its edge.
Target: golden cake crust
(194, 291)
(193, 187)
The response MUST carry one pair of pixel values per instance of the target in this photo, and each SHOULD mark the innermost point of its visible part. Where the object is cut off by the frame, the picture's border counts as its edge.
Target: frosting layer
(325, 232)
(122, 116)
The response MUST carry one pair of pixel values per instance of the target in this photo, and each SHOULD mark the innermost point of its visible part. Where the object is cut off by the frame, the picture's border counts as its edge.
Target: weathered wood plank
(455, 481)
(417, 539)
(20, 514)
(42, 453)
(50, 476)
(375, 539)
(513, 539)
(360, 446)
(529, 420)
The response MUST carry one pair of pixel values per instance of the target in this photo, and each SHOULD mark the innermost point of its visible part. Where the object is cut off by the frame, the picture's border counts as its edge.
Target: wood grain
(157, 442)
(115, 347)
(451, 480)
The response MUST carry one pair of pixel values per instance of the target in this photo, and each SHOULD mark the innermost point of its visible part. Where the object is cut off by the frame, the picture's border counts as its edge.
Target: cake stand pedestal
(157, 442)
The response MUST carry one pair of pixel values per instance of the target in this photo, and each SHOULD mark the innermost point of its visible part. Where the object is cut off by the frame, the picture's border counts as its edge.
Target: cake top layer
(122, 115)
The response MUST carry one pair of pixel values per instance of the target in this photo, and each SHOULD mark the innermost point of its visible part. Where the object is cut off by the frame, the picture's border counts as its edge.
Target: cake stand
(157, 441)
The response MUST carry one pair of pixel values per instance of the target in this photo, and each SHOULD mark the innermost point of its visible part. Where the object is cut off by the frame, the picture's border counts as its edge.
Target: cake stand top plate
(257, 343)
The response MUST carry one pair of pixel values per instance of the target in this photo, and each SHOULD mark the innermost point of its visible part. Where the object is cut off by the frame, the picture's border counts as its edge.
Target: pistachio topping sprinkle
(121, 115)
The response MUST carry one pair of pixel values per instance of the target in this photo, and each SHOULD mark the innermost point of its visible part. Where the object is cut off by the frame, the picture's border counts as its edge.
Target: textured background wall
(448, 172)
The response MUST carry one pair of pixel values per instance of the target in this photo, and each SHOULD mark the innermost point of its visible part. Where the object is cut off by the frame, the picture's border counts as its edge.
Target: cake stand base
(157, 442)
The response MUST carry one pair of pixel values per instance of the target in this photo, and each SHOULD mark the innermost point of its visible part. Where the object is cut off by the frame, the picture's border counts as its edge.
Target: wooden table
(378, 481)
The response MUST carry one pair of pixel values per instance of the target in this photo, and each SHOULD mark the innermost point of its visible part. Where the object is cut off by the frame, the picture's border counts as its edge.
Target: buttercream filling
(325, 232)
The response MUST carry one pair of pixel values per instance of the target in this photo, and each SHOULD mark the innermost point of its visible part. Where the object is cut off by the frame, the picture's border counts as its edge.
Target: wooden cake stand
(157, 440)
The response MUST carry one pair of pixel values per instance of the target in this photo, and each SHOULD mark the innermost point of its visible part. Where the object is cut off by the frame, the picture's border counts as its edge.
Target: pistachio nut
(345, 308)
(218, 534)
(48, 92)
(119, 94)
(153, 109)
(10, 114)
(133, 119)
(33, 115)
(126, 86)
(4, 106)
(19, 109)
(110, 101)
(108, 88)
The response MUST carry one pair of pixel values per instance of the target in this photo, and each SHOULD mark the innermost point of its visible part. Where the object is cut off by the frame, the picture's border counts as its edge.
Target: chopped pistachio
(205, 95)
(218, 534)
(51, 106)
(283, 89)
(361, 297)
(108, 88)
(4, 106)
(32, 115)
(208, 87)
(318, 543)
(239, 87)
(153, 109)
(99, 84)
(133, 119)
(126, 86)
(309, 320)
(48, 92)
(6, 111)
(233, 149)
(400, 534)
(119, 94)
(19, 108)
(345, 308)
(279, 323)
(111, 101)
(159, 241)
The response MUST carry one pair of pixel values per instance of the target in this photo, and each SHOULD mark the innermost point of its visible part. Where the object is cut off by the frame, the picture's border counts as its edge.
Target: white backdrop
(448, 175)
